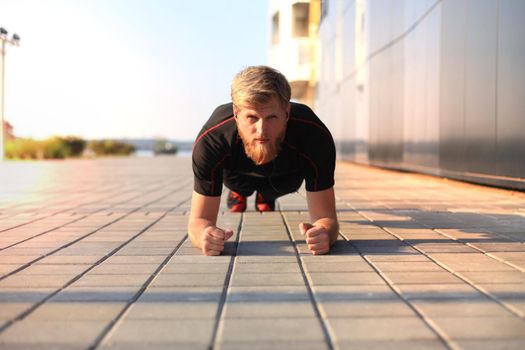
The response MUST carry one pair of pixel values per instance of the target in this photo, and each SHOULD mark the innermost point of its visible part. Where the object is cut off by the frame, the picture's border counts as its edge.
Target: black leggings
(270, 187)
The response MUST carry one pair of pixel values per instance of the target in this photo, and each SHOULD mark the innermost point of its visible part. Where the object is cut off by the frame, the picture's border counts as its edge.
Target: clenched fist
(213, 239)
(317, 238)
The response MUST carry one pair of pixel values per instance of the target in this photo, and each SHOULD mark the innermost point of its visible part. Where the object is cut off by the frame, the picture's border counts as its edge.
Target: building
(293, 46)
(434, 86)
(8, 131)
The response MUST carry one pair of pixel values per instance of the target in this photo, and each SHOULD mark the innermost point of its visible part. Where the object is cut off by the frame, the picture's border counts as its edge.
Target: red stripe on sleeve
(210, 129)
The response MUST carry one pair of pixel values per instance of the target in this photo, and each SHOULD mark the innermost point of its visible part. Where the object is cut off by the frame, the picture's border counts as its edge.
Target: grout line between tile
(442, 336)
(514, 311)
(26, 265)
(218, 328)
(30, 310)
(108, 331)
(328, 332)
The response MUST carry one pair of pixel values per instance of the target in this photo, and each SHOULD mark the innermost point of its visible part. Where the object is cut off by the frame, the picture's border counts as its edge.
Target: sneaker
(236, 202)
(261, 204)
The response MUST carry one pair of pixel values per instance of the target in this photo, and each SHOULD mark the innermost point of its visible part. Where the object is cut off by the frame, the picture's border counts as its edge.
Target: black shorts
(270, 187)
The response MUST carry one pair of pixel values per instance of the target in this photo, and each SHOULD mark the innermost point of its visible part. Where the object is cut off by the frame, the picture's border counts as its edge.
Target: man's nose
(262, 127)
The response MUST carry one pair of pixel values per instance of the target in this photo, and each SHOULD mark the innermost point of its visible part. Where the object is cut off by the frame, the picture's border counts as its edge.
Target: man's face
(262, 129)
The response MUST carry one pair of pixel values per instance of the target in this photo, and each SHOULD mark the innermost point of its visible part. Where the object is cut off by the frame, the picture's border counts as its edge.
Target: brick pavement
(94, 254)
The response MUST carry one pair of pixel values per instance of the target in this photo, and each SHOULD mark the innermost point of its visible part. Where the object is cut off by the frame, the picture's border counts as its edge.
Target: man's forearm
(196, 228)
(331, 225)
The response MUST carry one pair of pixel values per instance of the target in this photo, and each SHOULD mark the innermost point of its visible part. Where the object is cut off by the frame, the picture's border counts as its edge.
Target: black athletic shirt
(308, 150)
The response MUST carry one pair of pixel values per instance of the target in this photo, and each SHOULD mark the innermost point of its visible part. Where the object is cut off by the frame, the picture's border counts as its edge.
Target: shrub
(21, 148)
(76, 145)
(55, 148)
(110, 147)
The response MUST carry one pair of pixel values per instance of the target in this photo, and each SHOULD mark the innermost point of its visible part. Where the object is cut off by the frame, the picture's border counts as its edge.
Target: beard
(262, 153)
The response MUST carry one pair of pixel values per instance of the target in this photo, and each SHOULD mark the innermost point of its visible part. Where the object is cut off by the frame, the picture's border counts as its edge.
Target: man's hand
(213, 239)
(317, 238)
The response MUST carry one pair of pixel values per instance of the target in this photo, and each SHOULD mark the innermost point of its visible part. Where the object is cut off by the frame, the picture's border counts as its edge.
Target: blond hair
(256, 85)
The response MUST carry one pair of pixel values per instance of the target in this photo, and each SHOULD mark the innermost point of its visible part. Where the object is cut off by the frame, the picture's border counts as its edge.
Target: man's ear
(288, 111)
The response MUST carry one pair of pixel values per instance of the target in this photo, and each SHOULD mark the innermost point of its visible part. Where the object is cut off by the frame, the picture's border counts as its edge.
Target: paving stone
(55, 269)
(137, 259)
(171, 331)
(35, 281)
(432, 248)
(119, 269)
(18, 294)
(430, 277)
(267, 279)
(440, 291)
(480, 277)
(354, 292)
(114, 280)
(461, 307)
(52, 332)
(273, 344)
(505, 290)
(492, 327)
(344, 278)
(490, 344)
(101, 294)
(509, 256)
(381, 328)
(201, 259)
(393, 344)
(267, 268)
(342, 259)
(397, 257)
(356, 266)
(267, 293)
(366, 308)
(269, 309)
(138, 345)
(486, 266)
(70, 259)
(277, 329)
(265, 248)
(190, 286)
(182, 294)
(495, 247)
(9, 311)
(188, 279)
(173, 309)
(219, 268)
(77, 311)
(44, 346)
(5, 269)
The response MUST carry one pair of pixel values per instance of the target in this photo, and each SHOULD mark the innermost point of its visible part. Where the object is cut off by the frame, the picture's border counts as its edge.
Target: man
(262, 143)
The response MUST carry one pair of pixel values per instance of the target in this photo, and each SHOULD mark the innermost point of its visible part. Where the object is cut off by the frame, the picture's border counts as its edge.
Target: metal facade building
(431, 86)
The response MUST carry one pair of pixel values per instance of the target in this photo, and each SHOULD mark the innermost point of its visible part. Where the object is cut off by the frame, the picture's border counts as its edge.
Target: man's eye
(252, 118)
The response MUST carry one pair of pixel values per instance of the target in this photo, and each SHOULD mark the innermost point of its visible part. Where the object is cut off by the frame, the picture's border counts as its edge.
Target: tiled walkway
(94, 254)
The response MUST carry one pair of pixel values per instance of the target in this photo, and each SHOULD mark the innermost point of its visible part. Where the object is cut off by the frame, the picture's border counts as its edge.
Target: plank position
(261, 142)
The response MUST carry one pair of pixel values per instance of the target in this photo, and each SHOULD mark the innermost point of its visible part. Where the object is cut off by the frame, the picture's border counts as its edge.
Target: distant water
(149, 153)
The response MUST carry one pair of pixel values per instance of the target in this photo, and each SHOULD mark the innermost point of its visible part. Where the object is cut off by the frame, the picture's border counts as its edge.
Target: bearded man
(263, 143)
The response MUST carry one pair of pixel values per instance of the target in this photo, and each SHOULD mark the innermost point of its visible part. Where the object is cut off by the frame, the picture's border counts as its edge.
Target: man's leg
(269, 189)
(240, 187)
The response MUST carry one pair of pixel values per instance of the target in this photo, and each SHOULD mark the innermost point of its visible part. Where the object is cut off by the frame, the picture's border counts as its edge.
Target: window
(275, 28)
(324, 8)
(300, 19)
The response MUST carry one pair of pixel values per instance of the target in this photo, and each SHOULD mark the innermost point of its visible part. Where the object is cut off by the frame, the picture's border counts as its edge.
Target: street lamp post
(15, 41)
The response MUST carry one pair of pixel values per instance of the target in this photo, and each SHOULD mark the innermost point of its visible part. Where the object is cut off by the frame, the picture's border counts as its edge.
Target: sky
(126, 68)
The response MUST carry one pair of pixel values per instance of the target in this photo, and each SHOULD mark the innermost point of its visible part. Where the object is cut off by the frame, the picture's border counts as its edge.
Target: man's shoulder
(302, 117)
(299, 110)
(224, 110)
(220, 116)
